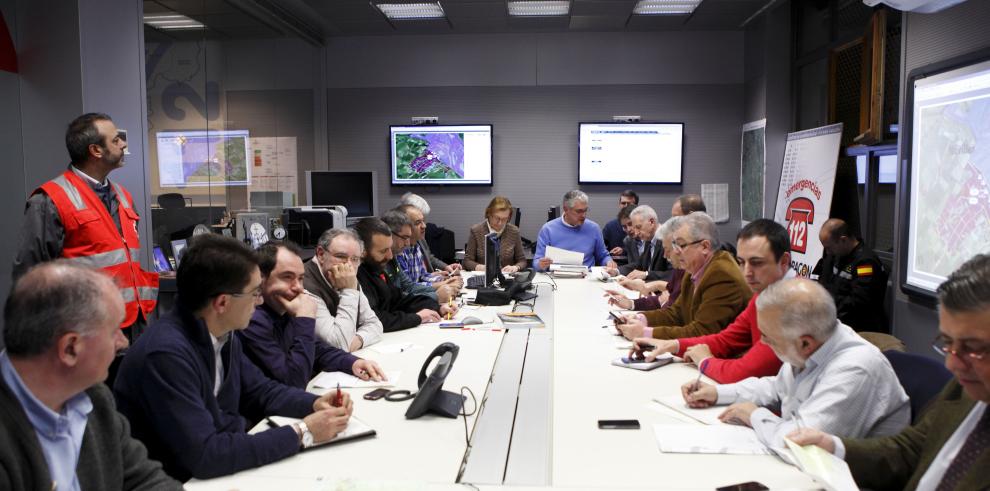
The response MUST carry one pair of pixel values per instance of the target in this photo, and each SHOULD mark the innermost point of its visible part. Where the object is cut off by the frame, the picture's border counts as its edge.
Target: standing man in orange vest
(84, 217)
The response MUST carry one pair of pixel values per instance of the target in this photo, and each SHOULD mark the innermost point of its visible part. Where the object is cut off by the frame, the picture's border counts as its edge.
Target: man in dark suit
(949, 447)
(649, 263)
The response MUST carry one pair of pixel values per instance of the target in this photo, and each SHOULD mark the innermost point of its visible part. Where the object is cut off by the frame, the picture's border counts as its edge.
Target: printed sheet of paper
(564, 256)
(708, 439)
(329, 380)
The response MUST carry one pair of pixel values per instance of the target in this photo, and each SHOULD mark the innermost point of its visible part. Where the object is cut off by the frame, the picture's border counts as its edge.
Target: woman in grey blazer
(497, 217)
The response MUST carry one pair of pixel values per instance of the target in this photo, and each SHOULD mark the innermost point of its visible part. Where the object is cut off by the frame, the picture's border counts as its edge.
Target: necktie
(647, 259)
(976, 443)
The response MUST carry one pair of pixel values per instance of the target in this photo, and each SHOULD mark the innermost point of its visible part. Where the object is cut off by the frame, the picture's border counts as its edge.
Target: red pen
(339, 399)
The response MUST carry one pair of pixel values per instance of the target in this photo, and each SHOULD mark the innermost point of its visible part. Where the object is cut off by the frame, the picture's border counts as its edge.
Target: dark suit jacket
(395, 309)
(510, 247)
(899, 461)
(658, 267)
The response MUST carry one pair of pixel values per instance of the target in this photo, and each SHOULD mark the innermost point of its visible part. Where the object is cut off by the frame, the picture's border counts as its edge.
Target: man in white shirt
(949, 447)
(831, 379)
(344, 319)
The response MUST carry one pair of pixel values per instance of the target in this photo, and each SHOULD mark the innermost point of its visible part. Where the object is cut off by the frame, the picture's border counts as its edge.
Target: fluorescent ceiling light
(539, 8)
(410, 11)
(665, 7)
(172, 21)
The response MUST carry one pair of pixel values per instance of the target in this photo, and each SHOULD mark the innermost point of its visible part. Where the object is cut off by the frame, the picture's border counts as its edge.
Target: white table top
(429, 452)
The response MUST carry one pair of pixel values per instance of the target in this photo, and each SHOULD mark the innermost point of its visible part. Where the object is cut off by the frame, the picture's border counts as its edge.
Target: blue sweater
(286, 349)
(587, 239)
(614, 235)
(165, 389)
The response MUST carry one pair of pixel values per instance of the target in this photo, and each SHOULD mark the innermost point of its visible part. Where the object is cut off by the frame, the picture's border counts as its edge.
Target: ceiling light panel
(172, 21)
(411, 11)
(665, 7)
(539, 8)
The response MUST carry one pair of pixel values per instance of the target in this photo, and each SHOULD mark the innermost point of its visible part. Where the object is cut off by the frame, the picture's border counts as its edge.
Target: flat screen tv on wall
(441, 154)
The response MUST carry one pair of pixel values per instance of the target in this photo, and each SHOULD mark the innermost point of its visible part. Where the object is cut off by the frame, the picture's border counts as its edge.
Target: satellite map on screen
(951, 178)
(429, 156)
(200, 158)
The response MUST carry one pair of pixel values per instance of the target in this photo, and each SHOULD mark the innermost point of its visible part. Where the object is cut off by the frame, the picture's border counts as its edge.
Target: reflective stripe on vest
(145, 293)
(70, 191)
(103, 259)
(121, 195)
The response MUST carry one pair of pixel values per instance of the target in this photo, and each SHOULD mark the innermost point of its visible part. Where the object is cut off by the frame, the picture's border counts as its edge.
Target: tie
(976, 443)
(647, 259)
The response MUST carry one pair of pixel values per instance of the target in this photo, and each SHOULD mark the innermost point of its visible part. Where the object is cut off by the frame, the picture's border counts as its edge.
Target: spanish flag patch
(864, 270)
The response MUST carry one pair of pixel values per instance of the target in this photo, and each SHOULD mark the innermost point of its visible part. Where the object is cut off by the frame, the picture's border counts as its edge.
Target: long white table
(541, 393)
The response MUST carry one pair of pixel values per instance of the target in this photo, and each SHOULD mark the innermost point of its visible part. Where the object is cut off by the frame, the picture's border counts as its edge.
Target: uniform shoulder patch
(864, 270)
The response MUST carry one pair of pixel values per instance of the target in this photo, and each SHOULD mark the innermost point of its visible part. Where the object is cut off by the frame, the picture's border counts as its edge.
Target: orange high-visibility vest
(92, 239)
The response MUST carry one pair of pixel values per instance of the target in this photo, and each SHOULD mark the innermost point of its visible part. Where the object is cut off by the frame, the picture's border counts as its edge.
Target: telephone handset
(431, 396)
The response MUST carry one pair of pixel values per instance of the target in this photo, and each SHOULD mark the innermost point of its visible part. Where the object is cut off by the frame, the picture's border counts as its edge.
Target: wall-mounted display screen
(949, 181)
(649, 153)
(459, 154)
(355, 191)
(203, 158)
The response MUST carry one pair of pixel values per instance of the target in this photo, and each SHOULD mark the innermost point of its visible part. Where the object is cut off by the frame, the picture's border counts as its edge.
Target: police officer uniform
(858, 283)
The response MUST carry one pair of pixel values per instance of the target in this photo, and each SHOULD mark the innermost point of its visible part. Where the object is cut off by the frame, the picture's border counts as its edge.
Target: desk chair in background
(922, 378)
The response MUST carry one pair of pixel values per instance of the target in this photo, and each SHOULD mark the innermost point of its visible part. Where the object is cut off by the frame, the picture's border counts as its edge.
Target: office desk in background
(543, 392)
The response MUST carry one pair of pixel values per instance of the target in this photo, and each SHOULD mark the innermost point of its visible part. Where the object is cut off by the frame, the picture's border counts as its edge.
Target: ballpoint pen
(338, 400)
(701, 372)
(450, 305)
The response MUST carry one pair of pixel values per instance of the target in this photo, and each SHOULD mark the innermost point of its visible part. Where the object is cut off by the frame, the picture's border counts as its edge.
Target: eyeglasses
(256, 293)
(345, 257)
(943, 345)
(681, 247)
(406, 238)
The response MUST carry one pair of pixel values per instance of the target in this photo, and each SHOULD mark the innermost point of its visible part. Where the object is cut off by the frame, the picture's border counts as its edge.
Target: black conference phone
(431, 396)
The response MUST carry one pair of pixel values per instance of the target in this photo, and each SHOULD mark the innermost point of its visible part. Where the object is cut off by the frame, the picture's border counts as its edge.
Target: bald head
(837, 237)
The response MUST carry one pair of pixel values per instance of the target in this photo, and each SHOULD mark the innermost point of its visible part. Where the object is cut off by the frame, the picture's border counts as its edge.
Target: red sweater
(736, 338)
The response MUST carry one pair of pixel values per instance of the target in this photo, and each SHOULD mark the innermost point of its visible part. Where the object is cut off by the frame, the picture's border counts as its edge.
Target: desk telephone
(431, 396)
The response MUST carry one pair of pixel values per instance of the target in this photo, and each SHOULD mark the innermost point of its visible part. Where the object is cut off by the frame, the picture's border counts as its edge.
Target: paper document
(388, 349)
(827, 469)
(355, 428)
(708, 415)
(564, 256)
(329, 380)
(710, 439)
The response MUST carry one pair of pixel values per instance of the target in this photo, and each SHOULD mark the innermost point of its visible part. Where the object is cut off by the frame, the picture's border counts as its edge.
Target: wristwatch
(307, 437)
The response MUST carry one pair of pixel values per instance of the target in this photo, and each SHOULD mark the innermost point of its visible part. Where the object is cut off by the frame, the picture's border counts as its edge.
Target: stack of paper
(564, 257)
(825, 468)
(710, 439)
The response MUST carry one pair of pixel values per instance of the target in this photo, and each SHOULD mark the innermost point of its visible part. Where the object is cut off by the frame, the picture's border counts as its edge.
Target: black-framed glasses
(943, 345)
(256, 293)
(681, 247)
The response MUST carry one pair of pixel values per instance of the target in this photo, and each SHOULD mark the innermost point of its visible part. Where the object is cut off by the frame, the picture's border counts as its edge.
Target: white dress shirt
(218, 361)
(846, 388)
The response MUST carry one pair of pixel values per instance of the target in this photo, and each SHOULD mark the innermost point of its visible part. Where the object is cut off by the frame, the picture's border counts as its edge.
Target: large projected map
(950, 169)
(201, 158)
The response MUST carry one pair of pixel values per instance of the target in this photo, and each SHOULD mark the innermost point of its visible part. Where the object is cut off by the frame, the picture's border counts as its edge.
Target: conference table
(534, 425)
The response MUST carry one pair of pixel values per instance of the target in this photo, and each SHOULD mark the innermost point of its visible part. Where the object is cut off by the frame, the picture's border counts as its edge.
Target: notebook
(355, 429)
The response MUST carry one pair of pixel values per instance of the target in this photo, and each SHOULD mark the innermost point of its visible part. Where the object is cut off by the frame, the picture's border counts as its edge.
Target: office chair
(171, 200)
(516, 217)
(922, 378)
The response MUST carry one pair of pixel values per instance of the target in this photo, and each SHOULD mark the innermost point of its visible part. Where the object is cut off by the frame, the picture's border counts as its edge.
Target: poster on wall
(804, 198)
(752, 174)
(274, 165)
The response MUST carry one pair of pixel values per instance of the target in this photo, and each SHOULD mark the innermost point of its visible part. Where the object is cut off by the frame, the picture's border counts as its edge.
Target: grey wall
(929, 38)
(12, 187)
(535, 89)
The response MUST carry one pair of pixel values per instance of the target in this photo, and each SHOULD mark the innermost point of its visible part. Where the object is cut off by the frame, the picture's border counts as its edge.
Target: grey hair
(645, 211)
(417, 201)
(573, 197)
(805, 308)
(701, 227)
(395, 220)
(330, 234)
(51, 300)
(967, 289)
(666, 231)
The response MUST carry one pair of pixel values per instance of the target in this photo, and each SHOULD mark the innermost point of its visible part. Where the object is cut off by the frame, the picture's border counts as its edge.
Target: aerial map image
(954, 164)
(429, 156)
(199, 158)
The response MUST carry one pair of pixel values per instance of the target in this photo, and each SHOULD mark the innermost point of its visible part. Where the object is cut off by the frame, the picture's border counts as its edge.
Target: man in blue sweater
(281, 338)
(574, 232)
(189, 391)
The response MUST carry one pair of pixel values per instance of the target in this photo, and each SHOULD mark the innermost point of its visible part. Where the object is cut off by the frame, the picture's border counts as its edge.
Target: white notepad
(708, 415)
(329, 380)
(355, 428)
(709, 439)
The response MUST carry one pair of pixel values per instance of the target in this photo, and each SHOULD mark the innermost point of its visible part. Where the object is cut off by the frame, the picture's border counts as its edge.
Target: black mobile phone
(618, 319)
(618, 424)
(746, 486)
(376, 394)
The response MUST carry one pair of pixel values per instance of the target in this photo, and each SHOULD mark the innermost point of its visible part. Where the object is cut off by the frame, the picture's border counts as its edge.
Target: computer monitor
(355, 191)
(493, 261)
(305, 226)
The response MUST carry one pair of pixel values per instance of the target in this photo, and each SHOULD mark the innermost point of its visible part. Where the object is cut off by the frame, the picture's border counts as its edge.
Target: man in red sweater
(764, 256)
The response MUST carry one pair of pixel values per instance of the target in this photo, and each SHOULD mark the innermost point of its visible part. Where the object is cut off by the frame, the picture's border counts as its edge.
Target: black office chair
(922, 378)
(171, 200)
(441, 242)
